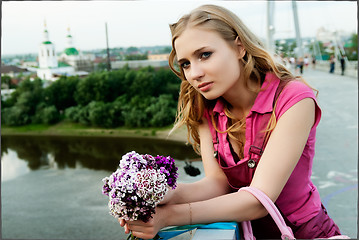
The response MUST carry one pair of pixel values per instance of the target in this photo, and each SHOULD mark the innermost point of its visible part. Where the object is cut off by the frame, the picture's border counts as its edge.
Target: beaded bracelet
(190, 217)
(190, 214)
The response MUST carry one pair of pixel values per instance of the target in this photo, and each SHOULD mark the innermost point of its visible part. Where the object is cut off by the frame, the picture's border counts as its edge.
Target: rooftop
(71, 51)
(11, 69)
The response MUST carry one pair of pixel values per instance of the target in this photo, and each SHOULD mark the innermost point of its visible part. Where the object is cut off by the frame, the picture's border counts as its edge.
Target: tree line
(146, 97)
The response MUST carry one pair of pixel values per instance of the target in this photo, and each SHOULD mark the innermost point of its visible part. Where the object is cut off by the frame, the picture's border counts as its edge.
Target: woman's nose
(196, 71)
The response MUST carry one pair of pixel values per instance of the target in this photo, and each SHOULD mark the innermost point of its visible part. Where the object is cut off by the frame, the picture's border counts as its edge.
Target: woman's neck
(241, 98)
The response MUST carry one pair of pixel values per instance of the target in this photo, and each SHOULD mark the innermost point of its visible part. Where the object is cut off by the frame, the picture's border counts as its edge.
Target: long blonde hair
(257, 62)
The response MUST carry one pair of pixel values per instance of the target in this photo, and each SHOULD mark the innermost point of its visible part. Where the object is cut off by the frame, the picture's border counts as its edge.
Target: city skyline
(145, 23)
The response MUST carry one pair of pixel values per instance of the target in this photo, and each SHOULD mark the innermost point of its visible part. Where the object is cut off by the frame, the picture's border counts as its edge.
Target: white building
(48, 65)
(74, 57)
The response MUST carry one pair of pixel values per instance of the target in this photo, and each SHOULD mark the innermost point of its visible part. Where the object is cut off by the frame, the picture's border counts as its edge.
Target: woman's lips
(204, 87)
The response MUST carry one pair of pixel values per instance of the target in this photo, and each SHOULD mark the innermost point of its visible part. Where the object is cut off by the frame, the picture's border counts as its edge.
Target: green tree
(134, 98)
(73, 113)
(94, 87)
(131, 50)
(135, 114)
(117, 110)
(166, 82)
(99, 114)
(46, 114)
(28, 101)
(34, 93)
(61, 92)
(15, 116)
(136, 57)
(118, 84)
(165, 50)
(6, 80)
(162, 111)
(101, 66)
(352, 49)
(78, 114)
(142, 85)
(83, 115)
(50, 115)
(37, 118)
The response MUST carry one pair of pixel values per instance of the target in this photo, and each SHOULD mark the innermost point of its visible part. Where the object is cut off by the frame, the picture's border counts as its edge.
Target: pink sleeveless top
(299, 200)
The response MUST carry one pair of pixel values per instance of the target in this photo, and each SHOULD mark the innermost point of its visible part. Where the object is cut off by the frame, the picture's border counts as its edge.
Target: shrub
(50, 115)
(15, 116)
(162, 111)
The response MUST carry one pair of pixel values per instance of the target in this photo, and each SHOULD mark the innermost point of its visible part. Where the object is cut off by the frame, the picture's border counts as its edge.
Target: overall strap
(260, 139)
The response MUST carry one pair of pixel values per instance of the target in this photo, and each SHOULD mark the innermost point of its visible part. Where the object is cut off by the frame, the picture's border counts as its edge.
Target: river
(51, 186)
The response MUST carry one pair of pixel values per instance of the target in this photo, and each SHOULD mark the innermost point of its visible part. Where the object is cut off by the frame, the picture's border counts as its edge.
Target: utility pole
(338, 48)
(108, 51)
(270, 26)
(297, 30)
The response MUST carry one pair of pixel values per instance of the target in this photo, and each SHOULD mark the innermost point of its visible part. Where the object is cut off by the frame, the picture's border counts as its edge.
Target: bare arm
(280, 157)
(212, 185)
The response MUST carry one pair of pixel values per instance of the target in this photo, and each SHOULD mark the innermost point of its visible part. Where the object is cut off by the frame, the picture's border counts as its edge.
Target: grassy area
(66, 128)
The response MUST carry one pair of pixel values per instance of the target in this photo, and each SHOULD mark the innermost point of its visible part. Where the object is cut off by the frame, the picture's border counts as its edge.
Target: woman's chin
(210, 96)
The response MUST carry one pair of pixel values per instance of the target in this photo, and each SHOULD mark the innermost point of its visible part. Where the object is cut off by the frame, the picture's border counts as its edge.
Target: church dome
(71, 51)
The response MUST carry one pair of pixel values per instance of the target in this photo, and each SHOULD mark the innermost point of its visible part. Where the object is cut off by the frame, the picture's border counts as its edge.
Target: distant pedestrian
(332, 64)
(314, 61)
(292, 61)
(306, 62)
(342, 63)
(300, 65)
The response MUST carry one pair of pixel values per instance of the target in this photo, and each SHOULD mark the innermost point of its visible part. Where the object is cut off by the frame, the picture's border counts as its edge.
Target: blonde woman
(253, 123)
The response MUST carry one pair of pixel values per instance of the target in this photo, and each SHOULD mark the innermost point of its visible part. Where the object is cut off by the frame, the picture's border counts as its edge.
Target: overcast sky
(145, 23)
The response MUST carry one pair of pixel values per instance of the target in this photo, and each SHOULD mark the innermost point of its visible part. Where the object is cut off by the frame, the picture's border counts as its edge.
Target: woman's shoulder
(296, 87)
(293, 92)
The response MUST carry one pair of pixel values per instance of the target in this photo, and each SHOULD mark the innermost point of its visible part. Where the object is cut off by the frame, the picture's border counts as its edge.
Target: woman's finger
(127, 229)
(143, 235)
(140, 228)
(122, 222)
(141, 223)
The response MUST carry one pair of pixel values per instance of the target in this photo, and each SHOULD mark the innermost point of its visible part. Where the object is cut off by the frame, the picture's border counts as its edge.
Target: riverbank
(73, 129)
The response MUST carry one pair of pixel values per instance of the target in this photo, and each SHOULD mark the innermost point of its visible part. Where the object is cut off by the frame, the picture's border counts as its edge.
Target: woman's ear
(240, 48)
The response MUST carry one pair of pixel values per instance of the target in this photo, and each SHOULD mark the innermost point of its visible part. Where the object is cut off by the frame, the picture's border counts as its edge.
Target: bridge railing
(351, 68)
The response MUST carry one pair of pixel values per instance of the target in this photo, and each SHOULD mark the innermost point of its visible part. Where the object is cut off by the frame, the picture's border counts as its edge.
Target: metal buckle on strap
(251, 163)
(215, 155)
(256, 150)
(215, 145)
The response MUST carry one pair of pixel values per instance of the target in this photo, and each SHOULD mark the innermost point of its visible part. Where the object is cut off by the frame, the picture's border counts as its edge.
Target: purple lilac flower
(167, 164)
(140, 183)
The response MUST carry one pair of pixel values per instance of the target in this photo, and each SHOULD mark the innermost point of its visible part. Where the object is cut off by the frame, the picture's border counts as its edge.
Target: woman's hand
(146, 230)
(124, 224)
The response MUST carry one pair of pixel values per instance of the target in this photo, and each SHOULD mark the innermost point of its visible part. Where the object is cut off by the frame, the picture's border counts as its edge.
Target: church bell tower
(47, 55)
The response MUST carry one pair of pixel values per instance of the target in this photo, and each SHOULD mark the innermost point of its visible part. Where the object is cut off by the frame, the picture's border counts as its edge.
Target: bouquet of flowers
(138, 185)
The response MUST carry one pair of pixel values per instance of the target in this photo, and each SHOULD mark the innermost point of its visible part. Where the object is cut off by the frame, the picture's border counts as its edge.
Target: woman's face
(209, 63)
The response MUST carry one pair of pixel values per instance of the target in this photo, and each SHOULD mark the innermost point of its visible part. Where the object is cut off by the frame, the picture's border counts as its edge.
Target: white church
(70, 63)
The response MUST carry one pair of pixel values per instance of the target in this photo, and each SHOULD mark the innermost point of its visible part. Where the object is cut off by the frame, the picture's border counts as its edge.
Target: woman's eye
(206, 55)
(185, 65)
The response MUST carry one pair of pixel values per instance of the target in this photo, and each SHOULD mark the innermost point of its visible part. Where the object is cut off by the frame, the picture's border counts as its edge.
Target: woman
(253, 123)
